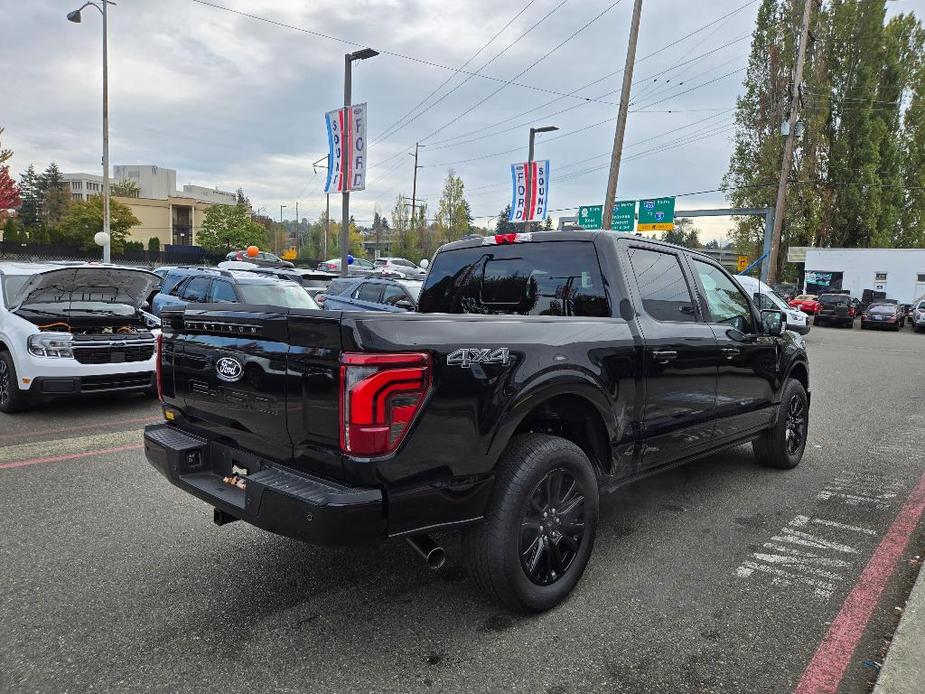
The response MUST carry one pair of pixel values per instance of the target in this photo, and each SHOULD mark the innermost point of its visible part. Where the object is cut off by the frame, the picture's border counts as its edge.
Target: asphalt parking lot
(717, 577)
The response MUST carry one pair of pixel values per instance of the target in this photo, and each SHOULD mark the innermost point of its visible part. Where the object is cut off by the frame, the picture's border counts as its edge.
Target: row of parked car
(839, 309)
(390, 284)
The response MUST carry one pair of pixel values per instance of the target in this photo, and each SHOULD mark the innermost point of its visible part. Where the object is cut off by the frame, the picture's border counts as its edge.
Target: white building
(213, 195)
(899, 272)
(83, 185)
(154, 182)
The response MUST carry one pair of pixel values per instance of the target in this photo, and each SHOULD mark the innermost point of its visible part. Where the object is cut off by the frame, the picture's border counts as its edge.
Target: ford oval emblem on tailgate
(228, 369)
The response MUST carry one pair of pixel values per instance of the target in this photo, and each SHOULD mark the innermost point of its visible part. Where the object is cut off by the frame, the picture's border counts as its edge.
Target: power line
(391, 130)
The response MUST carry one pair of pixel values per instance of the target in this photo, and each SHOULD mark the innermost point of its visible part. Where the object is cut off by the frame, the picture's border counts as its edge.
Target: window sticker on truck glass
(467, 356)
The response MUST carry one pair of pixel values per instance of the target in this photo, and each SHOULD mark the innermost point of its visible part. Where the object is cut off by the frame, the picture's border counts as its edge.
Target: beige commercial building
(175, 220)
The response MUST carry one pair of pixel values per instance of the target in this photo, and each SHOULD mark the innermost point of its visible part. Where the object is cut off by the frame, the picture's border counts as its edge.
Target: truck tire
(12, 398)
(783, 444)
(538, 532)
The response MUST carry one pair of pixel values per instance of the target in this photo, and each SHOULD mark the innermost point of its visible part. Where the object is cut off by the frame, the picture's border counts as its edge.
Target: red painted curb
(825, 671)
(69, 456)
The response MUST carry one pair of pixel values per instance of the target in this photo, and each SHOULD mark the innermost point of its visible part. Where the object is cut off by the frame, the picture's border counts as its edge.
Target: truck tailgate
(258, 379)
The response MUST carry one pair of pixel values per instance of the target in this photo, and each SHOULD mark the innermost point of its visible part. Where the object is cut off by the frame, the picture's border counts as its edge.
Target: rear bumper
(276, 499)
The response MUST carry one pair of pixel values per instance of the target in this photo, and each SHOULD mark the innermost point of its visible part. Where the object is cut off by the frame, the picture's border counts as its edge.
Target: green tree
(55, 195)
(229, 227)
(84, 220)
(126, 188)
(154, 245)
(547, 225)
(11, 231)
(30, 211)
(5, 154)
(453, 214)
(503, 226)
(912, 229)
(684, 233)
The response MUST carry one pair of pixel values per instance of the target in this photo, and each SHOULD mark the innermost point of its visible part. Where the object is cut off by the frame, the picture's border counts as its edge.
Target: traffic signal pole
(621, 119)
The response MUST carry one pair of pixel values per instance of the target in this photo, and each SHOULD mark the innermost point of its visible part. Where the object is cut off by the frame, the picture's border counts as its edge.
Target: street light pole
(348, 95)
(531, 148)
(281, 207)
(75, 17)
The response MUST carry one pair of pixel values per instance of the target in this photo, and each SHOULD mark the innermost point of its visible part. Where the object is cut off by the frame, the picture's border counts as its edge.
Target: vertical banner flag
(346, 149)
(531, 191)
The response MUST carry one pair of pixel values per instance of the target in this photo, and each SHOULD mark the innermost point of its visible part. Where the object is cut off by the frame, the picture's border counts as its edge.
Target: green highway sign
(656, 214)
(591, 216)
(624, 215)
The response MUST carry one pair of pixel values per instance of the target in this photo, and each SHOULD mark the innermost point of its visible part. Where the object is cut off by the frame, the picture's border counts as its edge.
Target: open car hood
(112, 285)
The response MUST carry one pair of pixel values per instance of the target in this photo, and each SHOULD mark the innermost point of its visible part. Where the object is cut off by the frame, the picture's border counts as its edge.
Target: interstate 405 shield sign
(346, 149)
(531, 191)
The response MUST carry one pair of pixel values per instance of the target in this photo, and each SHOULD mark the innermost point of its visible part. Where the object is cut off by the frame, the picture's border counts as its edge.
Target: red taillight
(157, 367)
(380, 394)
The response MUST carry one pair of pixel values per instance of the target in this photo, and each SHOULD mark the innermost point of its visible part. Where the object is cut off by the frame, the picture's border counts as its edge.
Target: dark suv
(835, 309)
(185, 286)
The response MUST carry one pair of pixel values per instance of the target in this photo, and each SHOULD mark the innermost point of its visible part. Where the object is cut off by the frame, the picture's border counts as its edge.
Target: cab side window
(725, 301)
(368, 291)
(662, 287)
(763, 302)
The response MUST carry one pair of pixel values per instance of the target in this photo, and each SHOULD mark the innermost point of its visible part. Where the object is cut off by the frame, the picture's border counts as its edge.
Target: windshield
(288, 295)
(11, 286)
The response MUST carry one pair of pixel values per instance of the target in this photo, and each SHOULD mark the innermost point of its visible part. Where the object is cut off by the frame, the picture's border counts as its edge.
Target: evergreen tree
(502, 225)
(29, 212)
(55, 196)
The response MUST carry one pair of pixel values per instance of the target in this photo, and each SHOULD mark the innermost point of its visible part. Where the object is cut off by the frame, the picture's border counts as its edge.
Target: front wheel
(783, 444)
(537, 536)
(12, 398)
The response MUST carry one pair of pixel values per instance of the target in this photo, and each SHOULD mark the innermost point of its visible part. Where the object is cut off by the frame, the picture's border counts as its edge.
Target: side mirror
(773, 323)
(424, 263)
(405, 304)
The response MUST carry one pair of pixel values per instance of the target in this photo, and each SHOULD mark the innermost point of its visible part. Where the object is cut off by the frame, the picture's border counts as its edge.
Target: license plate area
(227, 461)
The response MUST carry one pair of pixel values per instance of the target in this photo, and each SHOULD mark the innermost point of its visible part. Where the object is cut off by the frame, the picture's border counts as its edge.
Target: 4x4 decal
(467, 356)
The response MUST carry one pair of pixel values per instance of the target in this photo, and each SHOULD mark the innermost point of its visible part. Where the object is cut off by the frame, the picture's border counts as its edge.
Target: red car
(807, 303)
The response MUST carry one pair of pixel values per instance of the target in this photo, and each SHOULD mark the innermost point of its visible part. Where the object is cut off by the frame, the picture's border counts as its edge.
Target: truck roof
(537, 236)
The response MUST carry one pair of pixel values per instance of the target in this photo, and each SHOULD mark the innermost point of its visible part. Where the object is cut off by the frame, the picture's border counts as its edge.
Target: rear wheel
(534, 544)
(12, 399)
(783, 444)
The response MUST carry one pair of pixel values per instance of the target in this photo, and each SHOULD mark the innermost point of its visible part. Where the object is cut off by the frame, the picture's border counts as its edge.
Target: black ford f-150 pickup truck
(541, 370)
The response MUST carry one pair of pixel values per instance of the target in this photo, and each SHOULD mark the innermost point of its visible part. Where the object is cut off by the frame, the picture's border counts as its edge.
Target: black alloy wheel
(796, 424)
(4, 384)
(553, 527)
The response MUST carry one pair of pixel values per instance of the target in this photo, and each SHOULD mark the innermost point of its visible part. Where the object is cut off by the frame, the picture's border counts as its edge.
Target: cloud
(228, 100)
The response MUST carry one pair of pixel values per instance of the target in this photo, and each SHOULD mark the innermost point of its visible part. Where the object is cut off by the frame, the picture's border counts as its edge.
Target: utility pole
(414, 195)
(621, 118)
(788, 145)
(298, 233)
(327, 209)
(283, 229)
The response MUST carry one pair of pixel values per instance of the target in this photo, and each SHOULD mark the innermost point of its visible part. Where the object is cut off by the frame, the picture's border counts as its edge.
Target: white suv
(401, 266)
(72, 329)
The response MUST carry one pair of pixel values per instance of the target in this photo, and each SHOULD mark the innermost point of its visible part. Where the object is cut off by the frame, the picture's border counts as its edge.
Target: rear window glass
(882, 308)
(835, 299)
(559, 278)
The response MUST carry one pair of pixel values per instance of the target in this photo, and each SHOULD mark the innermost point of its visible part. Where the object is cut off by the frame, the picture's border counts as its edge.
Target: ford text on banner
(347, 149)
(531, 191)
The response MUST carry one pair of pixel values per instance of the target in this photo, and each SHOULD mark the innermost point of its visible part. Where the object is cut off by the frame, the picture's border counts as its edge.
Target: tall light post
(530, 150)
(283, 231)
(362, 54)
(75, 17)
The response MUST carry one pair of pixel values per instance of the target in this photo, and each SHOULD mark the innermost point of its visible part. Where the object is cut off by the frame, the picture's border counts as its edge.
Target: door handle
(663, 356)
(731, 352)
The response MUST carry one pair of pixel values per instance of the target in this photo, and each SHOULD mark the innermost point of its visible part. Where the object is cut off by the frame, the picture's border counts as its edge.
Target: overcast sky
(229, 101)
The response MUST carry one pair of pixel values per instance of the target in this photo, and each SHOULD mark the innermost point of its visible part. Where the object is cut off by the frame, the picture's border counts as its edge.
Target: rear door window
(222, 292)
(368, 291)
(557, 278)
(196, 290)
(662, 288)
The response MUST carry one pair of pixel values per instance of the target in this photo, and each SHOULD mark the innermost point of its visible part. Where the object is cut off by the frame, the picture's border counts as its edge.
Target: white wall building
(83, 185)
(154, 182)
(900, 272)
(213, 195)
